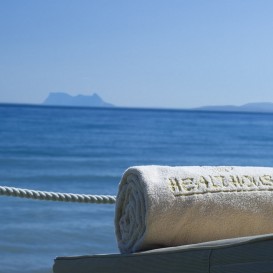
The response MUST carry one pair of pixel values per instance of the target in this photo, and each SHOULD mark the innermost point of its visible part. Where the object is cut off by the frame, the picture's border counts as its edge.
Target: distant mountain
(64, 99)
(249, 107)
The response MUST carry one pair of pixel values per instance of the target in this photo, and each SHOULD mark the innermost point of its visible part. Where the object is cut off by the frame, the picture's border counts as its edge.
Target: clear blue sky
(155, 53)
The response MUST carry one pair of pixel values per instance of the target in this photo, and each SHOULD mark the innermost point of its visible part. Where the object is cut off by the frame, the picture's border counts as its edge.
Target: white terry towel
(160, 206)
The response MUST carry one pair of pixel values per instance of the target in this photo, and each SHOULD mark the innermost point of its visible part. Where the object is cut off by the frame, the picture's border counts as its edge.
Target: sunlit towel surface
(161, 206)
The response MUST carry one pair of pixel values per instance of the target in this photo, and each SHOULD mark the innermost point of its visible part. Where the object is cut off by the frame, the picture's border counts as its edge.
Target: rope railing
(57, 196)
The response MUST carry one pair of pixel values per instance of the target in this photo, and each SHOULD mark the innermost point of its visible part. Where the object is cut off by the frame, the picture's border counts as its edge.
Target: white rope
(57, 196)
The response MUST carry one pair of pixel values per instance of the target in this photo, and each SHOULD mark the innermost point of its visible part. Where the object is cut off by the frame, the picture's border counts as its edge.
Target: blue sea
(86, 150)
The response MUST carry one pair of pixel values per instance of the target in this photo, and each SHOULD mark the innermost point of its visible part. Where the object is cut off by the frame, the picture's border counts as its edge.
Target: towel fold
(160, 206)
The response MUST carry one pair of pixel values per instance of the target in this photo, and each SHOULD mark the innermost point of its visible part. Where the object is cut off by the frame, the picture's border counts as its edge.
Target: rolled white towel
(160, 206)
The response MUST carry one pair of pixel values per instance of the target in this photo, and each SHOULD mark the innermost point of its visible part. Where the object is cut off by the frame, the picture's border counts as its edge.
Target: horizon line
(195, 109)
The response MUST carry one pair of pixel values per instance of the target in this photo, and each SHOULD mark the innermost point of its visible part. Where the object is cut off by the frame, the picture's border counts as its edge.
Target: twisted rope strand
(57, 196)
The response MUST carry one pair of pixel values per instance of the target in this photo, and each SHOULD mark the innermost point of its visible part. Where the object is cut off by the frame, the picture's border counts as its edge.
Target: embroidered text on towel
(220, 183)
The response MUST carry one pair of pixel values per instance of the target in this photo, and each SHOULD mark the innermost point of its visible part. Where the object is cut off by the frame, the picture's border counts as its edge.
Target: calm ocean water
(84, 150)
